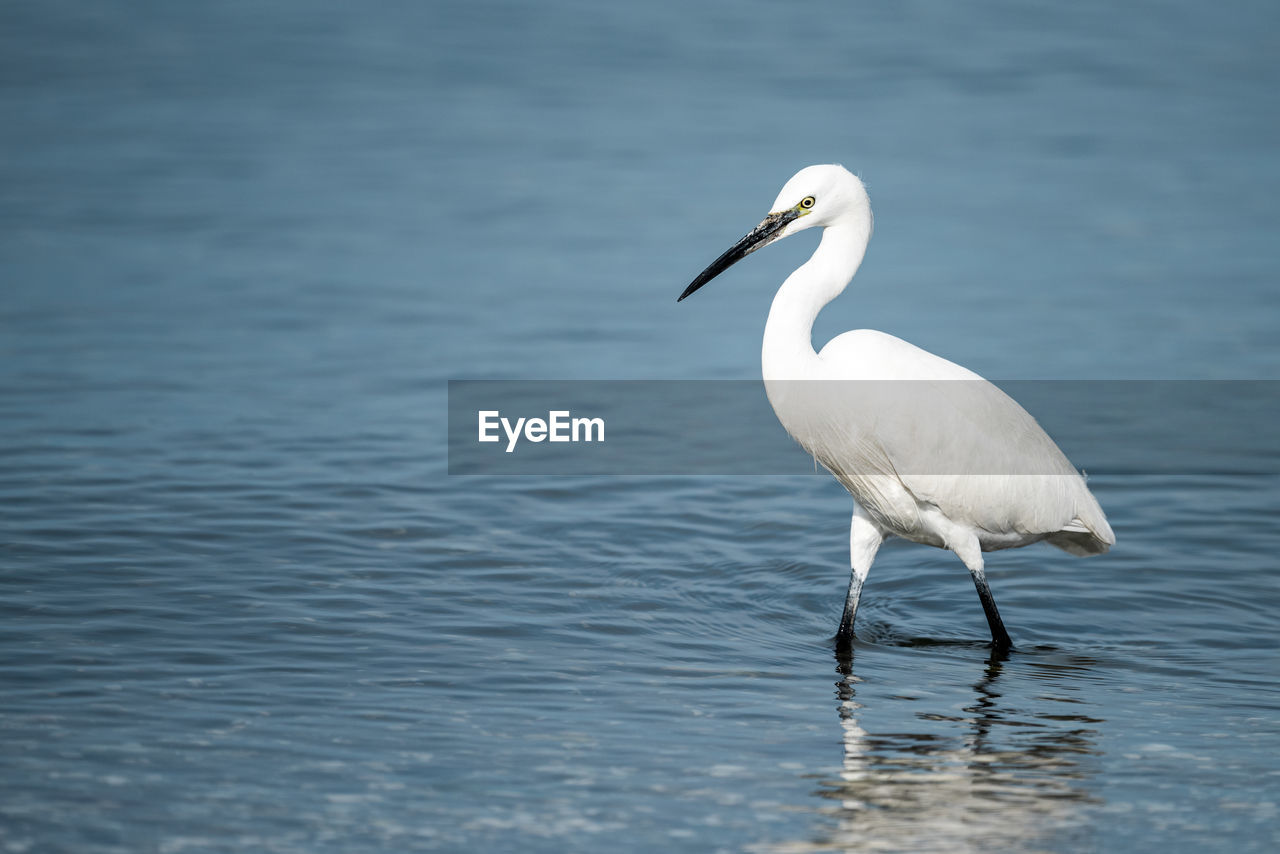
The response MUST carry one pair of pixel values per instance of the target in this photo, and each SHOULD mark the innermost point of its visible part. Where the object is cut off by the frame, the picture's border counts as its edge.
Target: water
(245, 247)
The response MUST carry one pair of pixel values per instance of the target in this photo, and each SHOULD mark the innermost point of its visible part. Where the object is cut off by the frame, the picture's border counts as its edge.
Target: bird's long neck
(788, 335)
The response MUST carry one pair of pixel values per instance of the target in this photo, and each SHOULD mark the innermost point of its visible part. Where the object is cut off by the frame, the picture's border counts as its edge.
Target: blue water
(244, 247)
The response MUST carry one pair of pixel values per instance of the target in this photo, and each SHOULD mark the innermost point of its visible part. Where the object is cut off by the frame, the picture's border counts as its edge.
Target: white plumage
(930, 451)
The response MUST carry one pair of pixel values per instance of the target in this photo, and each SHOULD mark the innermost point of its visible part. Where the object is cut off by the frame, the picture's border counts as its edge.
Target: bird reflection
(1001, 779)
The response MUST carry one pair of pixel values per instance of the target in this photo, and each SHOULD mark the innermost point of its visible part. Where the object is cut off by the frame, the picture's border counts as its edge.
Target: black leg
(999, 637)
(844, 635)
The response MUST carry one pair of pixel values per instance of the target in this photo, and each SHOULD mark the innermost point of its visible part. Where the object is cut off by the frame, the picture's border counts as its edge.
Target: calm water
(245, 607)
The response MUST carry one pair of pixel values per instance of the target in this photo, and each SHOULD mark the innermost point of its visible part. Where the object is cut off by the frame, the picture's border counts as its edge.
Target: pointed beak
(760, 236)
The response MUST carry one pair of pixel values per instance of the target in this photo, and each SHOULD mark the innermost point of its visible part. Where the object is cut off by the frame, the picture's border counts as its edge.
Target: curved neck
(788, 335)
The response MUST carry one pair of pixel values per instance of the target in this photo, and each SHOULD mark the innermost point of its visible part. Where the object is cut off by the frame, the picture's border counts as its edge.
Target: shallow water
(245, 607)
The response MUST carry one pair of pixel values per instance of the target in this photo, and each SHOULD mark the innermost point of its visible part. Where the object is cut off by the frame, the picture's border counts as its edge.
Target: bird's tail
(1088, 533)
(1083, 543)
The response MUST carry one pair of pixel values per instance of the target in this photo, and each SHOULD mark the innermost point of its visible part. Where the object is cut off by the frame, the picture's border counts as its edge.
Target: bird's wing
(950, 438)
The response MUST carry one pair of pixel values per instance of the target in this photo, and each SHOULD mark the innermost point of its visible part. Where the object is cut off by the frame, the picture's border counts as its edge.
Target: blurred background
(244, 245)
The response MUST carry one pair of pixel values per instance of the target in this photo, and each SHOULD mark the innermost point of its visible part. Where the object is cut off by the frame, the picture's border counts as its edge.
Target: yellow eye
(807, 202)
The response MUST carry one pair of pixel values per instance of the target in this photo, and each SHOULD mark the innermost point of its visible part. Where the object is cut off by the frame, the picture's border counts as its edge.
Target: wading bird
(930, 451)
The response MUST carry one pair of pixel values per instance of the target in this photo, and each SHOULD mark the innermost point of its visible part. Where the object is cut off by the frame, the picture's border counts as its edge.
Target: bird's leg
(845, 633)
(971, 553)
(999, 637)
(864, 541)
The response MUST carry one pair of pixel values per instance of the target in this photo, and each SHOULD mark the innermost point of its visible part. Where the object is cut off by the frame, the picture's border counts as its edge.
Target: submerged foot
(844, 638)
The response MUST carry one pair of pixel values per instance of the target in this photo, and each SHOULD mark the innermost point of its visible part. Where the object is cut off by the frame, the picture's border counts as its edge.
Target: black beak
(762, 235)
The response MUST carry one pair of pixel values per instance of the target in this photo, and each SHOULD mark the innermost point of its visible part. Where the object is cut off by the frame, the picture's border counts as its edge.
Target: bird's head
(815, 196)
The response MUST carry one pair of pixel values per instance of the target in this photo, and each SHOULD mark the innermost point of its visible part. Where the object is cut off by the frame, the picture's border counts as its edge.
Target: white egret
(937, 455)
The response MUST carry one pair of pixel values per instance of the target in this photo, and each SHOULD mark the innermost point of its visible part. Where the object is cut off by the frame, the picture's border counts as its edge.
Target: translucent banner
(626, 427)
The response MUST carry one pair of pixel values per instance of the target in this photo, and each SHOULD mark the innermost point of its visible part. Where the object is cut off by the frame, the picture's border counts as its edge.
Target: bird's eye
(807, 202)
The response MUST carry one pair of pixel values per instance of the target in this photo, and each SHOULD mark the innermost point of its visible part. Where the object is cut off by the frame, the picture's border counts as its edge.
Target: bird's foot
(844, 639)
